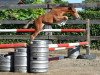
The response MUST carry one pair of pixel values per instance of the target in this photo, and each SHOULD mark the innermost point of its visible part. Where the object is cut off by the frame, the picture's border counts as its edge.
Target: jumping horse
(55, 15)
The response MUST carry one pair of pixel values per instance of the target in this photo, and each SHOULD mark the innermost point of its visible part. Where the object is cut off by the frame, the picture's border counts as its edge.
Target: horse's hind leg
(38, 29)
(33, 35)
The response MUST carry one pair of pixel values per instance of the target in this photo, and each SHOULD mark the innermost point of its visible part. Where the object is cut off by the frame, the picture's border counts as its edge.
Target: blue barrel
(74, 52)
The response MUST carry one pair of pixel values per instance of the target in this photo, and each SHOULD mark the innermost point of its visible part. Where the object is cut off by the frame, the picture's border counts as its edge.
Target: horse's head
(73, 12)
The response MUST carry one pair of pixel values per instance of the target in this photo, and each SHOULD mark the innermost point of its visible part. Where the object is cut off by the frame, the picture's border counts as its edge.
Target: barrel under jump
(44, 30)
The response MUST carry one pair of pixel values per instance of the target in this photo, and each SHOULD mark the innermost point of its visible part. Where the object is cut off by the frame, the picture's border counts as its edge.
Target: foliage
(56, 1)
(92, 1)
(59, 1)
(21, 14)
(32, 1)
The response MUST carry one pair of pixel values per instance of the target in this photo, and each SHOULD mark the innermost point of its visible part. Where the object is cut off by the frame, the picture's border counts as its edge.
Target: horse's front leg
(61, 20)
(64, 21)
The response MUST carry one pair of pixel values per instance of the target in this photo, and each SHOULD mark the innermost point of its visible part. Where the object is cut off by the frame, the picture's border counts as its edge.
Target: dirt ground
(69, 66)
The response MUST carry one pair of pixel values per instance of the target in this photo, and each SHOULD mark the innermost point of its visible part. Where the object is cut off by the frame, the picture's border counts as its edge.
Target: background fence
(59, 37)
(48, 5)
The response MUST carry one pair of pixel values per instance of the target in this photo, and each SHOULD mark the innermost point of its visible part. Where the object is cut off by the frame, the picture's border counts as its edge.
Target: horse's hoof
(24, 27)
(31, 42)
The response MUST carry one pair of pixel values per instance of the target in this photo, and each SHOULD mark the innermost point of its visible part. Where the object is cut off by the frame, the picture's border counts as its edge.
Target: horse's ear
(70, 5)
(70, 8)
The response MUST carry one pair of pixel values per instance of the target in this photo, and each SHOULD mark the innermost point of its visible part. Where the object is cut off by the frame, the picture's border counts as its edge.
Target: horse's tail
(27, 25)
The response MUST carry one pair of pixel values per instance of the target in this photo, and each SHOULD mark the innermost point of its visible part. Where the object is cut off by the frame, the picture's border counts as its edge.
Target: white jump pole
(67, 44)
(60, 48)
(44, 30)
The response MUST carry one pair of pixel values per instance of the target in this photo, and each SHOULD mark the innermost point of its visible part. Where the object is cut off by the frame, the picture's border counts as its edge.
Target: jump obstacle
(62, 46)
(51, 47)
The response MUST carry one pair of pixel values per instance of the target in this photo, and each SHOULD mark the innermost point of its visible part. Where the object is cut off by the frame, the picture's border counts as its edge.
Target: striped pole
(13, 45)
(60, 48)
(67, 44)
(44, 30)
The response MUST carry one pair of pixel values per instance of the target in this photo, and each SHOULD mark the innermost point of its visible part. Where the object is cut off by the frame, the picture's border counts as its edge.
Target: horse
(55, 15)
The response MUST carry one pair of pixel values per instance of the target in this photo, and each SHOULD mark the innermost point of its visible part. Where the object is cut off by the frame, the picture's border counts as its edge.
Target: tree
(55, 1)
(92, 1)
(31, 1)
